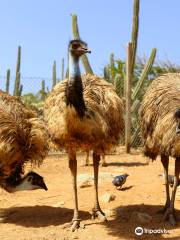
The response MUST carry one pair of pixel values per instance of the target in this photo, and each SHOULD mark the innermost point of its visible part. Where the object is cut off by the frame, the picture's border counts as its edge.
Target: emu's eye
(75, 46)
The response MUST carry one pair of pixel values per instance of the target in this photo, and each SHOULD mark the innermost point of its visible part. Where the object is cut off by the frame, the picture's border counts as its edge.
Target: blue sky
(43, 29)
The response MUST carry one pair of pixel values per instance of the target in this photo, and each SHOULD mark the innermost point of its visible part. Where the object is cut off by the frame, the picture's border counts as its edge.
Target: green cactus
(106, 74)
(43, 91)
(75, 31)
(144, 74)
(67, 73)
(119, 85)
(7, 80)
(54, 78)
(135, 30)
(20, 90)
(18, 75)
(62, 69)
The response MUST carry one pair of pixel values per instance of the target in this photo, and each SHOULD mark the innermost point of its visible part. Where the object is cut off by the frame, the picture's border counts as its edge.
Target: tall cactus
(18, 75)
(54, 79)
(144, 74)
(135, 30)
(62, 69)
(43, 91)
(7, 80)
(106, 74)
(75, 31)
(20, 90)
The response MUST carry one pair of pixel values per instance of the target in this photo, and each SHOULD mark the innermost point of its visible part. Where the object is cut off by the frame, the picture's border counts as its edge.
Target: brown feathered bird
(23, 138)
(84, 113)
(160, 123)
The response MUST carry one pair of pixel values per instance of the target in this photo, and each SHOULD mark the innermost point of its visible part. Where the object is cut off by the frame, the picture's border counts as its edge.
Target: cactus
(18, 75)
(7, 80)
(134, 34)
(20, 90)
(67, 73)
(62, 69)
(75, 31)
(43, 91)
(144, 74)
(54, 79)
(119, 85)
(106, 74)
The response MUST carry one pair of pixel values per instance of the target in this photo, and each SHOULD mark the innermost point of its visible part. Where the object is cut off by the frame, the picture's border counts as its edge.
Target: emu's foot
(99, 214)
(74, 225)
(170, 215)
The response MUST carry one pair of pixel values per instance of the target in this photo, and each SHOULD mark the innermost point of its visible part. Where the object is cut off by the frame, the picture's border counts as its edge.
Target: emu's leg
(103, 162)
(87, 158)
(170, 210)
(165, 163)
(73, 168)
(96, 211)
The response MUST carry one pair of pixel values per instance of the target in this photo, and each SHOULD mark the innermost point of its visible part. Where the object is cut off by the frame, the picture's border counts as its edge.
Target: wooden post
(128, 97)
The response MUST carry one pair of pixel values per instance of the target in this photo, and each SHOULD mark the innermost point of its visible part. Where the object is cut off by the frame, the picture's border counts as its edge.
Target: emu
(23, 138)
(83, 113)
(160, 124)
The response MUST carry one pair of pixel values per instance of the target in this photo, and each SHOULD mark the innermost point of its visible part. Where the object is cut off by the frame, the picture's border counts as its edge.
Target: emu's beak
(43, 186)
(86, 50)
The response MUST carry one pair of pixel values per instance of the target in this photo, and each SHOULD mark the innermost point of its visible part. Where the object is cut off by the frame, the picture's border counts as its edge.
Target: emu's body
(23, 138)
(102, 124)
(85, 113)
(160, 125)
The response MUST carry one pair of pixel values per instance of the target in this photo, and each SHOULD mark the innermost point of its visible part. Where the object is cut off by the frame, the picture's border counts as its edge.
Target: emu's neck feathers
(74, 69)
(74, 88)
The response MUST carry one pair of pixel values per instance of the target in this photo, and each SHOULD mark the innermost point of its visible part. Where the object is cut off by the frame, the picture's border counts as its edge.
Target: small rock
(142, 217)
(58, 204)
(84, 180)
(108, 197)
(85, 184)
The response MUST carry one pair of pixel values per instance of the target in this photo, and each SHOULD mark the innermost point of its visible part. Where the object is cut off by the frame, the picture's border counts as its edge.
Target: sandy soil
(42, 215)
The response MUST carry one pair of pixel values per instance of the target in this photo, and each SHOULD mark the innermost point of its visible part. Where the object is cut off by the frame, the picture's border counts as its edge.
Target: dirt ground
(42, 215)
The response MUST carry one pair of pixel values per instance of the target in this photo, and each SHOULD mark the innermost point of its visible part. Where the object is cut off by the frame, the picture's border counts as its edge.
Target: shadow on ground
(39, 216)
(126, 164)
(124, 224)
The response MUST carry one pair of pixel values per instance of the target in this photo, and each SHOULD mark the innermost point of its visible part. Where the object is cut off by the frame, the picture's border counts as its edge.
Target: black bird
(118, 181)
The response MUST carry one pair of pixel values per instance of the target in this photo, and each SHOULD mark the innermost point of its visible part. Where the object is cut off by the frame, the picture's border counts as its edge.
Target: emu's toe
(75, 225)
(99, 214)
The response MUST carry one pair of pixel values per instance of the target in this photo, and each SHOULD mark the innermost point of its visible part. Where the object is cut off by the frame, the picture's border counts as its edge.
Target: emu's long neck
(20, 185)
(74, 88)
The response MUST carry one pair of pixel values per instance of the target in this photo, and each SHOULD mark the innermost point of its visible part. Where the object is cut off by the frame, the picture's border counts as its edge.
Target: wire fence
(30, 84)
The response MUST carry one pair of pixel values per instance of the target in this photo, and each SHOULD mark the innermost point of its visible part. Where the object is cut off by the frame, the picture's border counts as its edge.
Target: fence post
(128, 81)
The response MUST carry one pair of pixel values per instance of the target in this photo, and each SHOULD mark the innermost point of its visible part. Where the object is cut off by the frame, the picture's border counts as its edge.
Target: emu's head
(177, 117)
(77, 48)
(31, 181)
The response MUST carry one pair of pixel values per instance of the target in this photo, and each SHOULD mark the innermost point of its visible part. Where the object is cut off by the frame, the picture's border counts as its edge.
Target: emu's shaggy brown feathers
(158, 123)
(102, 124)
(23, 136)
